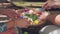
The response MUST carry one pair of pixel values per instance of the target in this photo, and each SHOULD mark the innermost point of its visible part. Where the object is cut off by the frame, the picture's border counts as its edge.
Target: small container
(3, 27)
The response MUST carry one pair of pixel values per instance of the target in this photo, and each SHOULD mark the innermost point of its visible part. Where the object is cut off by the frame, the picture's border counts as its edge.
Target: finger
(48, 7)
(45, 6)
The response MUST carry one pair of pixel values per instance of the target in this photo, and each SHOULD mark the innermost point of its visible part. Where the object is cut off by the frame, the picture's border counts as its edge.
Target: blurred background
(25, 2)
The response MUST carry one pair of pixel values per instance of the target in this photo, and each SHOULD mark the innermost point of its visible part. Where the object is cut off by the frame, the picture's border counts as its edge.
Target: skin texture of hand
(51, 4)
(44, 16)
(22, 23)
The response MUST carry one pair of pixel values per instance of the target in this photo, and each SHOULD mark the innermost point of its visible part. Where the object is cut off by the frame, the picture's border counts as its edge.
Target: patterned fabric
(8, 32)
(11, 14)
(2, 27)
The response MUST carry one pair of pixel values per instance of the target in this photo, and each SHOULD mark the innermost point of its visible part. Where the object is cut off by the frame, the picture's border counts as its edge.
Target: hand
(22, 23)
(44, 16)
(51, 4)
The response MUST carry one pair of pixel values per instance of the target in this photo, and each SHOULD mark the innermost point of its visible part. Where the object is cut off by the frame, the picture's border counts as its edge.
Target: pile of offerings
(32, 15)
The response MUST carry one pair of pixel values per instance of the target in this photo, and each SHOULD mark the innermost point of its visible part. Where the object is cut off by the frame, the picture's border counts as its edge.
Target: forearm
(51, 18)
(57, 20)
(54, 18)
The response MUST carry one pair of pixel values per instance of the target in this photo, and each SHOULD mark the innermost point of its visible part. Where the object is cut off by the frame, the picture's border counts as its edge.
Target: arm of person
(55, 19)
(51, 4)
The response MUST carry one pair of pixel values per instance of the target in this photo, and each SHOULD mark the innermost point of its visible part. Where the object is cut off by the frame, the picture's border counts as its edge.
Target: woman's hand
(44, 16)
(22, 23)
(51, 4)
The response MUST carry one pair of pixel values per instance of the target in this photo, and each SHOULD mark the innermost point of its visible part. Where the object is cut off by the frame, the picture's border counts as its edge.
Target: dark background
(25, 0)
(35, 0)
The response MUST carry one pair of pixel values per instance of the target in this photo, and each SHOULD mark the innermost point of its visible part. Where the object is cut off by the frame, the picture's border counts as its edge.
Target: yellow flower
(35, 22)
